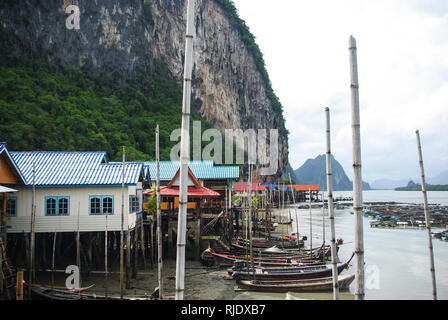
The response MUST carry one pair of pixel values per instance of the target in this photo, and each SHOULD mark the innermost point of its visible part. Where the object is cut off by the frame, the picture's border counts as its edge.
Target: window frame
(7, 206)
(57, 212)
(134, 204)
(101, 205)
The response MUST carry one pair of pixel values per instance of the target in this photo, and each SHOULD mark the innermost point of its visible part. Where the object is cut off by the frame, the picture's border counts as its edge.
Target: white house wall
(79, 202)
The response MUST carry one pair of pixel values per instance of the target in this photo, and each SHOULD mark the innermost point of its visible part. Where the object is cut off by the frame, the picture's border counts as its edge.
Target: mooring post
(427, 219)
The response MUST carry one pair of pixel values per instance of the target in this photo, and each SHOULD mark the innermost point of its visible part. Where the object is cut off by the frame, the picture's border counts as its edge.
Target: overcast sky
(403, 75)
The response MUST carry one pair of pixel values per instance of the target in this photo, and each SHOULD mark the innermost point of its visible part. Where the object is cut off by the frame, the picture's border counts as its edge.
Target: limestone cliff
(117, 36)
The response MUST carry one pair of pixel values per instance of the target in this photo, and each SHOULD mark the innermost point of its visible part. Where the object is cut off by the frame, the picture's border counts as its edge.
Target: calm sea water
(397, 260)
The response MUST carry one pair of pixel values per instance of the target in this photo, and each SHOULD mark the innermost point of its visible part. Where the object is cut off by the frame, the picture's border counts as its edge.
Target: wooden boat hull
(209, 257)
(285, 244)
(318, 272)
(310, 285)
(44, 293)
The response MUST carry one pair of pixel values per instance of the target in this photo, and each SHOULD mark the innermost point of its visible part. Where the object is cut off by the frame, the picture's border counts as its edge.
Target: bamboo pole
(159, 218)
(334, 263)
(122, 232)
(184, 153)
(357, 175)
(428, 219)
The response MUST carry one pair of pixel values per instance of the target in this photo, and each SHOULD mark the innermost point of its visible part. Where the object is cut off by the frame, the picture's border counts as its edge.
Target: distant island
(418, 187)
(314, 171)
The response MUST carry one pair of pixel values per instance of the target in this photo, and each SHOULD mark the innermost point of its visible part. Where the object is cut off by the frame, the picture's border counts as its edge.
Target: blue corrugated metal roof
(74, 169)
(200, 169)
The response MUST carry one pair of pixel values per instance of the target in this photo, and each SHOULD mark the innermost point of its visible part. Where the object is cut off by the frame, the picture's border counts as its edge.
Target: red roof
(193, 191)
(243, 186)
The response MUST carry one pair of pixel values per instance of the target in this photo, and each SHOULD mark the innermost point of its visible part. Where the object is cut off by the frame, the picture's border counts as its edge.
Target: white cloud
(403, 74)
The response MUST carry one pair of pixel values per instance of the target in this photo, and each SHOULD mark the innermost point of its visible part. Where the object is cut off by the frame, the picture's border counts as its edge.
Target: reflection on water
(397, 260)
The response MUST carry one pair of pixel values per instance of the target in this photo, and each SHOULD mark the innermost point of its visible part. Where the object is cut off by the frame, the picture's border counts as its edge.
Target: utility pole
(184, 153)
(357, 176)
(428, 219)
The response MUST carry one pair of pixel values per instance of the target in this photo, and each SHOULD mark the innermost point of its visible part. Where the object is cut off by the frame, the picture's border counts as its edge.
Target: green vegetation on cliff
(62, 108)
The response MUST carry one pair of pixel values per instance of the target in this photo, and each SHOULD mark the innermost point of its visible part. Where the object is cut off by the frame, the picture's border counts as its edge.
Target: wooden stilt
(106, 247)
(19, 285)
(142, 242)
(53, 260)
(135, 250)
(128, 259)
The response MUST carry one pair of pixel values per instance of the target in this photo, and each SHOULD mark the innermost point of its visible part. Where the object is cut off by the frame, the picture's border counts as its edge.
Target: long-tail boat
(313, 272)
(210, 257)
(308, 285)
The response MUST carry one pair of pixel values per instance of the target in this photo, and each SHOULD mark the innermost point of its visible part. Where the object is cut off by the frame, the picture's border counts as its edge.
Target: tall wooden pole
(159, 218)
(106, 248)
(295, 211)
(311, 225)
(78, 241)
(357, 176)
(250, 221)
(32, 234)
(323, 217)
(122, 232)
(184, 153)
(428, 219)
(53, 260)
(334, 263)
